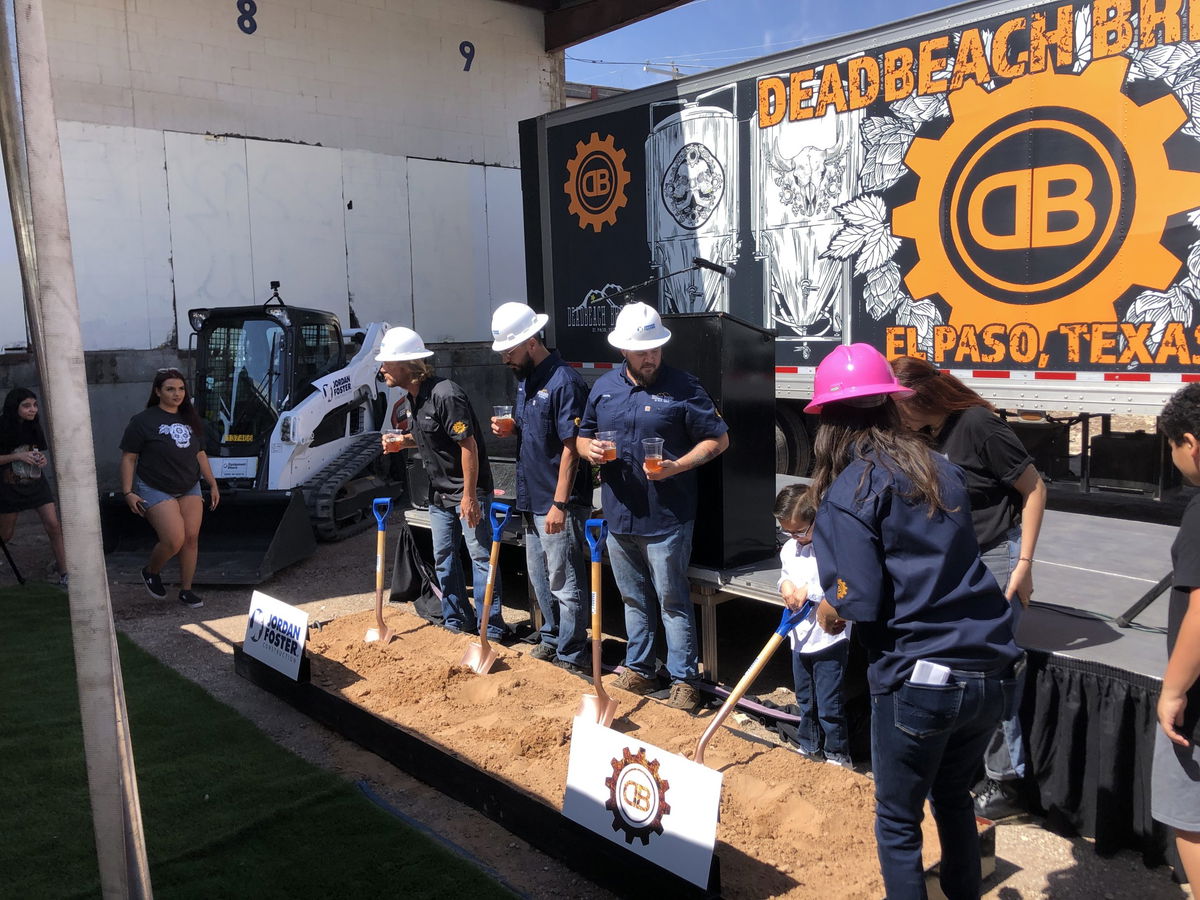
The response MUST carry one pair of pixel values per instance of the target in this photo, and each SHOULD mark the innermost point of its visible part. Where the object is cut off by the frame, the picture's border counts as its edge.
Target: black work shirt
(442, 420)
(1185, 560)
(675, 408)
(166, 448)
(913, 586)
(992, 458)
(548, 411)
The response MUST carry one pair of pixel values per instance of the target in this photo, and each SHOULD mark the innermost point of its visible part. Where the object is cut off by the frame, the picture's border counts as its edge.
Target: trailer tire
(789, 425)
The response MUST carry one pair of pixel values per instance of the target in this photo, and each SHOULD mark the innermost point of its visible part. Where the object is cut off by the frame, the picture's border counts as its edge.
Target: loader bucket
(249, 537)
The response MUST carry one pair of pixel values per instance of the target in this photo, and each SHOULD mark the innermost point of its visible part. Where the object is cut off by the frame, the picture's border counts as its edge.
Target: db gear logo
(637, 796)
(1045, 214)
(596, 182)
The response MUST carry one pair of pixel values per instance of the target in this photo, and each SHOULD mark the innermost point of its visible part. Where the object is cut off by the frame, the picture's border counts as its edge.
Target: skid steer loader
(292, 409)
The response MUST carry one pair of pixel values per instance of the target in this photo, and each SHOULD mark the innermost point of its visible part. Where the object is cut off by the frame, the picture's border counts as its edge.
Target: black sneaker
(578, 671)
(154, 585)
(187, 598)
(999, 800)
(545, 652)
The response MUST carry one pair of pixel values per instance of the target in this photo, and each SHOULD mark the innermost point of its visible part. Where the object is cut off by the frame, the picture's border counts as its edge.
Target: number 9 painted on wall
(467, 50)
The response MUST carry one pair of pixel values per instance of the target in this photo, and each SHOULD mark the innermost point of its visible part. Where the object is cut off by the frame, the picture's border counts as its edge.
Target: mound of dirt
(788, 827)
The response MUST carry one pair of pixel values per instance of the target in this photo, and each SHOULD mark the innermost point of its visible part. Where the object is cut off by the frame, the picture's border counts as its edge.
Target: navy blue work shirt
(675, 408)
(913, 586)
(442, 419)
(548, 411)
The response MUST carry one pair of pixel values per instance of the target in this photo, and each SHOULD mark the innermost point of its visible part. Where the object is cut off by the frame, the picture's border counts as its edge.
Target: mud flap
(249, 537)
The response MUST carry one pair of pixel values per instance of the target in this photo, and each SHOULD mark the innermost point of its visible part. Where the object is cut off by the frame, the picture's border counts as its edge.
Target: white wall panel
(210, 223)
(297, 224)
(377, 239)
(13, 333)
(117, 206)
(506, 235)
(451, 275)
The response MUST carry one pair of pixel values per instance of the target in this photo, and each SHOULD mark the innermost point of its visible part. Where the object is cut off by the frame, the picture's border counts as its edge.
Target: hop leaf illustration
(921, 315)
(866, 233)
(886, 140)
(1160, 307)
(882, 291)
(922, 109)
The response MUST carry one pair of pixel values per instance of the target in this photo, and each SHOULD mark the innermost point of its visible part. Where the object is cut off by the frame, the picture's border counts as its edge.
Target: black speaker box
(735, 361)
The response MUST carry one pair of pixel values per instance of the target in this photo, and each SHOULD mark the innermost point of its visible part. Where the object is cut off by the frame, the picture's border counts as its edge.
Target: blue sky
(709, 34)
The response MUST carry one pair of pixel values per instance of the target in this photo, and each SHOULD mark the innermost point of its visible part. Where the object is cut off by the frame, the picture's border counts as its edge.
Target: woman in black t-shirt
(162, 462)
(22, 463)
(1008, 499)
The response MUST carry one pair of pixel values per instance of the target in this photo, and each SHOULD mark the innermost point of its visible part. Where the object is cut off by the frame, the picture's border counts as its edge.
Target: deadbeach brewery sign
(658, 804)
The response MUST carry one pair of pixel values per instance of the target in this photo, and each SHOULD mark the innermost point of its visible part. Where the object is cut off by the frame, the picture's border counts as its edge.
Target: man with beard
(445, 430)
(651, 511)
(553, 489)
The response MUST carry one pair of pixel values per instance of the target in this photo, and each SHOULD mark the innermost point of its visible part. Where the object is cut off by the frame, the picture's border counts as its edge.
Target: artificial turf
(227, 812)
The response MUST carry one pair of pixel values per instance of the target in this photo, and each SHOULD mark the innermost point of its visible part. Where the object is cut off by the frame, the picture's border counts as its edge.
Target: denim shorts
(1175, 783)
(153, 496)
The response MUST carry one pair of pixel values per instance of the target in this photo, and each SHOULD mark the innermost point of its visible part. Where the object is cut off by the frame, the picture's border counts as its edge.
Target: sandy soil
(515, 723)
(337, 581)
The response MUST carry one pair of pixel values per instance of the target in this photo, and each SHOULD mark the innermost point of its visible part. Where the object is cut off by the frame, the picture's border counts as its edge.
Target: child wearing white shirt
(818, 658)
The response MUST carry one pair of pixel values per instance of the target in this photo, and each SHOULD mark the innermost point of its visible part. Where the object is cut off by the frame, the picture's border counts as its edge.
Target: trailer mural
(1021, 191)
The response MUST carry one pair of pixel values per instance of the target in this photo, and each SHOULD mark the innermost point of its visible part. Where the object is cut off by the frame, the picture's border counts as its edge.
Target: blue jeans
(650, 570)
(448, 536)
(1004, 759)
(927, 741)
(556, 573)
(818, 677)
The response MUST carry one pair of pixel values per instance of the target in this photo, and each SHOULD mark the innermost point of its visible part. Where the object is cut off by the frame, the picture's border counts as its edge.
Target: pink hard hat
(853, 372)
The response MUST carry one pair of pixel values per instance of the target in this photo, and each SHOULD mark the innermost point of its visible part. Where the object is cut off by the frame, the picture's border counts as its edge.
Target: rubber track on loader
(320, 491)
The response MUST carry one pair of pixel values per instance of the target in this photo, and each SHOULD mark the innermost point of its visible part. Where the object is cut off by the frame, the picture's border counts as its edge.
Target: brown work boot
(631, 681)
(685, 697)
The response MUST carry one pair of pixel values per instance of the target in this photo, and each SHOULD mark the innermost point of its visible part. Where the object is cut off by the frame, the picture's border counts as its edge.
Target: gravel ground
(1031, 861)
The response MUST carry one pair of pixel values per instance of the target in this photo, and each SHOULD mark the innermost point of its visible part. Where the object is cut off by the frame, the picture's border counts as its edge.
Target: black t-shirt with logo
(443, 419)
(1185, 561)
(166, 448)
(992, 457)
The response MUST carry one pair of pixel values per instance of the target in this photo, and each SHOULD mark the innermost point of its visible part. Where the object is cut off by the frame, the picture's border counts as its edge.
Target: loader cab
(255, 363)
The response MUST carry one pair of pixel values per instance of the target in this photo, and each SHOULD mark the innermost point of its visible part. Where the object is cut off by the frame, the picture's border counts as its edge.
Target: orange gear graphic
(972, 268)
(637, 796)
(596, 182)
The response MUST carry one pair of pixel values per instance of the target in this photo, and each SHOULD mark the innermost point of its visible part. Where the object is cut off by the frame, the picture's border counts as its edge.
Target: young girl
(818, 659)
(22, 460)
(899, 559)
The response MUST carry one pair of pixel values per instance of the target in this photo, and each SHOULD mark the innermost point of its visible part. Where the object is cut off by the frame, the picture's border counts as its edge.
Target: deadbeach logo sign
(275, 634)
(657, 804)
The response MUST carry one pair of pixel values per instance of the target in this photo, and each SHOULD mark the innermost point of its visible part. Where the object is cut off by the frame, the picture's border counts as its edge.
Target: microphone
(723, 271)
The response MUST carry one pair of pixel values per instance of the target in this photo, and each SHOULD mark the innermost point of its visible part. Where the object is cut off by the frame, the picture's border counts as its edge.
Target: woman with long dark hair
(162, 462)
(899, 559)
(1008, 500)
(23, 459)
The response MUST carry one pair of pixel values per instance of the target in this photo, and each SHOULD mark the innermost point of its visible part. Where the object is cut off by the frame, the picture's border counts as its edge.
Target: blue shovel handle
(499, 513)
(596, 531)
(792, 618)
(381, 506)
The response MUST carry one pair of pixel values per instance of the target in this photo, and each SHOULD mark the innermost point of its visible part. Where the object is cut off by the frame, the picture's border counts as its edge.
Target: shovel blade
(600, 710)
(477, 659)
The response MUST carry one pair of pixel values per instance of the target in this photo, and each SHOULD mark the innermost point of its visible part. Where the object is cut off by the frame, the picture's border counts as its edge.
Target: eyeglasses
(797, 534)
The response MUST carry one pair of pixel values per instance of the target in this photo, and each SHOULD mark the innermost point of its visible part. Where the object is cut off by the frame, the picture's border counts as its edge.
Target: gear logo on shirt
(458, 428)
(181, 434)
(842, 589)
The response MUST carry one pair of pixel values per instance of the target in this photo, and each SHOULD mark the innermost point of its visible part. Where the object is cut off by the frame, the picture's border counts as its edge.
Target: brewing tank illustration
(692, 201)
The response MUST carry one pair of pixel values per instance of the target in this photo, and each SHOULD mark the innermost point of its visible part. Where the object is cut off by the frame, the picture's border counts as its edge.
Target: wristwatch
(558, 504)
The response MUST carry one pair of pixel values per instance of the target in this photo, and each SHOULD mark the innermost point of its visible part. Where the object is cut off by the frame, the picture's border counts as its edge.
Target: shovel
(479, 657)
(381, 507)
(599, 707)
(789, 621)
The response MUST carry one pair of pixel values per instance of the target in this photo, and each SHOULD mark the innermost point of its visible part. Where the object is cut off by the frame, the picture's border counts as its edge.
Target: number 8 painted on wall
(467, 49)
(245, 21)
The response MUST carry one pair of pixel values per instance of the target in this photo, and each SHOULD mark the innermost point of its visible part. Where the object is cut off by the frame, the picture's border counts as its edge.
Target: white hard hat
(400, 344)
(638, 327)
(513, 323)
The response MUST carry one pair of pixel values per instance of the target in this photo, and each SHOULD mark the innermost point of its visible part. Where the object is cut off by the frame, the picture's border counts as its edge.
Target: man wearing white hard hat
(446, 432)
(650, 500)
(553, 489)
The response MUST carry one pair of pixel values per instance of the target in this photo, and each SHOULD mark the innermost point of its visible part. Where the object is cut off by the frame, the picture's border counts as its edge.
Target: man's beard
(643, 379)
(522, 370)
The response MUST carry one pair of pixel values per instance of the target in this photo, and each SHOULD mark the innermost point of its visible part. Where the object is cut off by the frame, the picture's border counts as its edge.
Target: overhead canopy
(572, 21)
